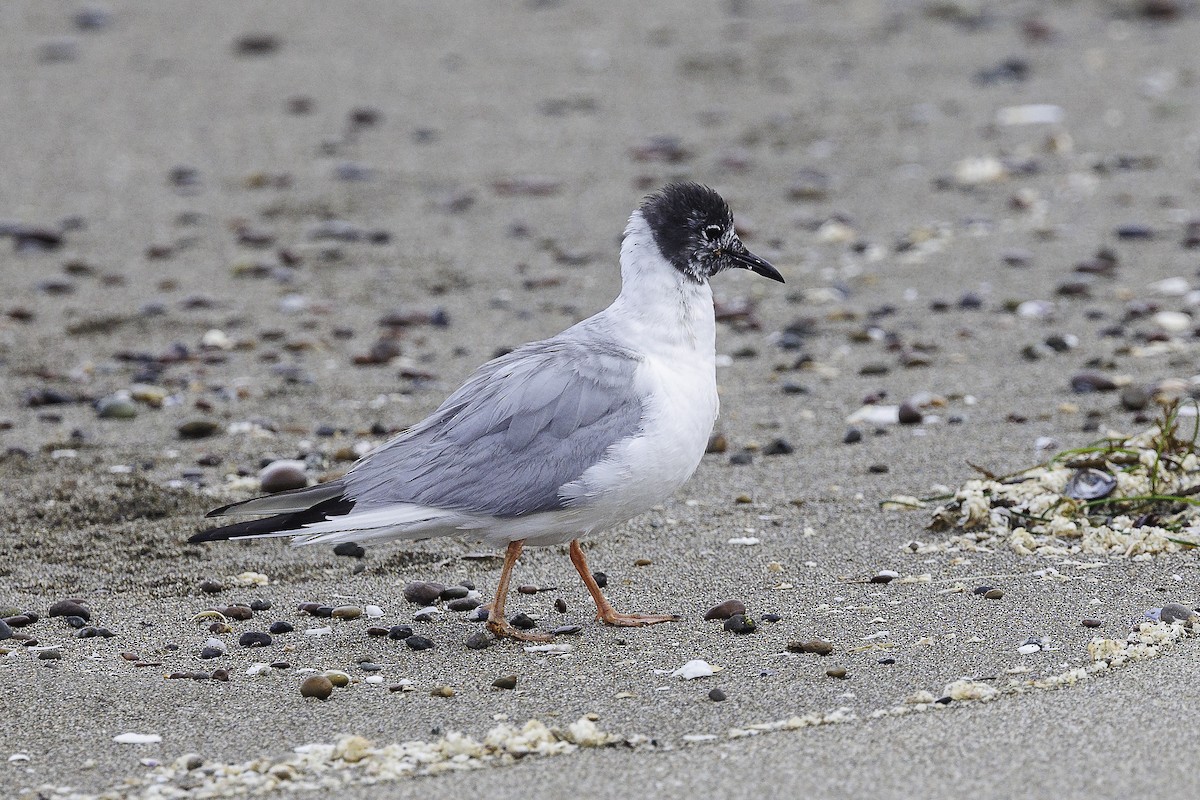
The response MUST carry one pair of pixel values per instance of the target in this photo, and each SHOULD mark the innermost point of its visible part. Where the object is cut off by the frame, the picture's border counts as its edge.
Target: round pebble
(981, 590)
(260, 605)
(317, 686)
(910, 414)
(349, 549)
(49, 655)
(725, 610)
(338, 678)
(70, 608)
(567, 630)
(993, 594)
(884, 576)
(522, 621)
(206, 652)
(560, 605)
(197, 429)
(281, 627)
(836, 672)
(464, 604)
(1175, 612)
(422, 593)
(347, 612)
(419, 642)
(399, 632)
(5, 631)
(507, 682)
(282, 475)
(458, 592)
(716, 695)
(478, 641)
(239, 612)
(1091, 622)
(442, 691)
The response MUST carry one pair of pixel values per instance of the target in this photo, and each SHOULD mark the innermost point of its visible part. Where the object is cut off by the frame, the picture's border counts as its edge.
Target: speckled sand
(885, 99)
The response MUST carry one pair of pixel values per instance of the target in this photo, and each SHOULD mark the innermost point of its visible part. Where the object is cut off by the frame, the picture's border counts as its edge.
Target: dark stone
(454, 592)
(318, 686)
(281, 627)
(600, 578)
(507, 682)
(740, 623)
(1175, 612)
(419, 642)
(207, 652)
(70, 608)
(239, 613)
(981, 589)
(910, 414)
(1092, 623)
(5, 631)
(400, 632)
(1086, 382)
(778, 447)
(478, 641)
(260, 605)
(818, 646)
(567, 630)
(993, 594)
(772, 617)
(837, 672)
(255, 639)
(716, 695)
(197, 429)
(422, 593)
(742, 458)
(522, 621)
(349, 549)
(75, 622)
(463, 604)
(560, 605)
(377, 631)
(852, 436)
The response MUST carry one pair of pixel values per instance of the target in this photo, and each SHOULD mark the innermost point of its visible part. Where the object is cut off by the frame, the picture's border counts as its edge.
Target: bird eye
(713, 232)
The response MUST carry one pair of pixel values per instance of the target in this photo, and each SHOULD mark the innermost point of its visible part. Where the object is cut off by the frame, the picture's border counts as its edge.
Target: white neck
(658, 303)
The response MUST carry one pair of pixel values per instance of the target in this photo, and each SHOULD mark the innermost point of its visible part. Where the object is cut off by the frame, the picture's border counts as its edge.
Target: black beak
(747, 260)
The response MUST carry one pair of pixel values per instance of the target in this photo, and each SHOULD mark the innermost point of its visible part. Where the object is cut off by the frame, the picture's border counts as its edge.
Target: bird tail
(324, 514)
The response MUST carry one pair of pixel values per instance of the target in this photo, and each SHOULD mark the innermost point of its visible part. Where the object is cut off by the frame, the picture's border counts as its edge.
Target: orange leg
(604, 611)
(496, 622)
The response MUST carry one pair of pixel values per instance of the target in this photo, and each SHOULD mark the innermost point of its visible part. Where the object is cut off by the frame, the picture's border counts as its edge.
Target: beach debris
(137, 738)
(696, 668)
(1128, 496)
(318, 686)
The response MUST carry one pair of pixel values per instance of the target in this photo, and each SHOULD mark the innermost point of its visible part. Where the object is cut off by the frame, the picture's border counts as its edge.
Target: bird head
(693, 229)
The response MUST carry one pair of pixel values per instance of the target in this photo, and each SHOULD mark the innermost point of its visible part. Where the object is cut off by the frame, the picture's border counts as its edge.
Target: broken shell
(1090, 484)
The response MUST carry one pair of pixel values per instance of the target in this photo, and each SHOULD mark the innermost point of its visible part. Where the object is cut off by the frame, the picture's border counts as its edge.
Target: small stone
(642, 562)
(818, 646)
(507, 682)
(886, 661)
(742, 458)
(884, 576)
(254, 639)
(778, 447)
(197, 429)
(377, 631)
(717, 443)
(350, 549)
(1091, 622)
(318, 686)
(282, 475)
(600, 578)
(740, 623)
(256, 44)
(89, 632)
(878, 469)
(70, 608)
(852, 436)
(522, 621)
(369, 666)
(211, 587)
(836, 672)
(478, 641)
(419, 642)
(207, 652)
(1135, 398)
(397, 632)
(560, 605)
(422, 593)
(220, 674)
(260, 605)
(716, 695)
(116, 406)
(442, 691)
(347, 612)
(1087, 382)
(910, 414)
(567, 630)
(993, 594)
(527, 589)
(725, 610)
(5, 631)
(981, 590)
(464, 604)
(237, 612)
(772, 617)
(338, 678)
(455, 592)
(1175, 612)
(281, 627)
(49, 655)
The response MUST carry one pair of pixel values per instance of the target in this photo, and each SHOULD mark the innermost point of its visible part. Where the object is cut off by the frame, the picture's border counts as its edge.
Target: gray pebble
(1175, 612)
(478, 641)
(70, 608)
(422, 592)
(463, 604)
(5, 631)
(255, 639)
(419, 642)
(725, 610)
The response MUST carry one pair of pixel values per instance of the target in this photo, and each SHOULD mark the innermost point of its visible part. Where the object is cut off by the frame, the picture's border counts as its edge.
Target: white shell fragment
(1030, 114)
(557, 649)
(746, 541)
(696, 668)
(875, 415)
(373, 612)
(137, 738)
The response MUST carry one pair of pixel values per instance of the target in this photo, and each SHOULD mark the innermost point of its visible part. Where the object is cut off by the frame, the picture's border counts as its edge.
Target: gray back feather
(519, 428)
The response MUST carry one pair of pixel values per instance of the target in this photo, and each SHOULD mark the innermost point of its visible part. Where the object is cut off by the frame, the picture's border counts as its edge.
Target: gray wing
(521, 427)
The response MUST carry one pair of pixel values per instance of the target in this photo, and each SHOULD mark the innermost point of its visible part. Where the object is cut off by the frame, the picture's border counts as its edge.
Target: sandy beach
(237, 233)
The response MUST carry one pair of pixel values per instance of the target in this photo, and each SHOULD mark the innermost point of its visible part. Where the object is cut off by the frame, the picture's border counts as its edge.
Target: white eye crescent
(713, 232)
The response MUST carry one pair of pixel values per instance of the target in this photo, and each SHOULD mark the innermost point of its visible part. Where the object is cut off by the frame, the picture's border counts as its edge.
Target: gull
(558, 439)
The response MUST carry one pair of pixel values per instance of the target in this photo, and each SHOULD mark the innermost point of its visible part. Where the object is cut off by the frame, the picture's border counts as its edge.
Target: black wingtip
(280, 523)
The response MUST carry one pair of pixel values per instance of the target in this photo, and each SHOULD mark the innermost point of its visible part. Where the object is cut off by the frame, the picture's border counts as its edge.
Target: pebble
(208, 652)
(220, 674)
(740, 623)
(1175, 612)
(522, 621)
(21, 620)
(377, 631)
(49, 655)
(716, 695)
(818, 646)
(282, 475)
(90, 632)
(347, 612)
(70, 608)
(908, 414)
(281, 627)
(725, 610)
(507, 682)
(1092, 622)
(197, 429)
(256, 44)
(442, 691)
(560, 605)
(318, 686)
(255, 639)
(351, 549)
(260, 605)
(399, 632)
(464, 604)
(1087, 382)
(852, 436)
(422, 592)
(338, 678)
(981, 589)
(211, 587)
(778, 447)
(116, 406)
(5, 631)
(567, 630)
(601, 579)
(993, 594)
(478, 641)
(884, 576)
(836, 672)
(237, 612)
(419, 642)
(369, 666)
